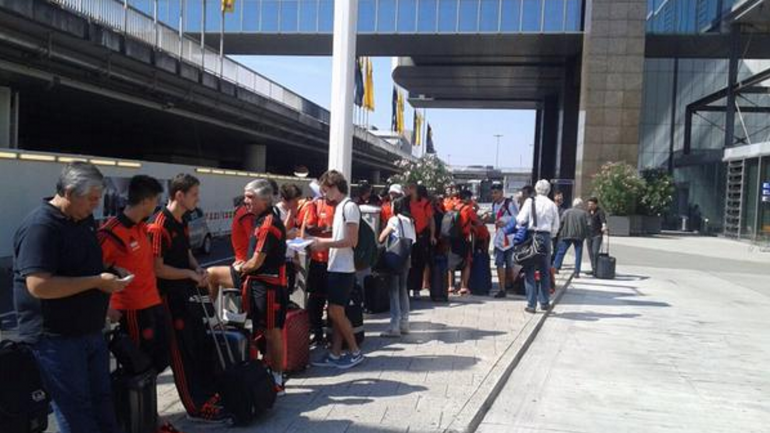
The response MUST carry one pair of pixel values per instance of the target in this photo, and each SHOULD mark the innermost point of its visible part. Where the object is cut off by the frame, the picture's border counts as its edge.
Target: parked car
(200, 235)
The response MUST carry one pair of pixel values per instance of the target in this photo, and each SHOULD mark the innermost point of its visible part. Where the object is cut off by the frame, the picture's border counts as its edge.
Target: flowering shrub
(619, 188)
(658, 192)
(428, 170)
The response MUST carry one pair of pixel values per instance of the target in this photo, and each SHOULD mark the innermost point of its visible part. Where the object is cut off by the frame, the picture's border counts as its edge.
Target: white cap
(396, 189)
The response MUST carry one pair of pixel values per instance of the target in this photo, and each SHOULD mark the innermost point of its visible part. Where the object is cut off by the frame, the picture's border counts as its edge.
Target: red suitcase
(296, 340)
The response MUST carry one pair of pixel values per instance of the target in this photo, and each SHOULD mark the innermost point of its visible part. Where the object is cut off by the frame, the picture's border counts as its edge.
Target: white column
(343, 64)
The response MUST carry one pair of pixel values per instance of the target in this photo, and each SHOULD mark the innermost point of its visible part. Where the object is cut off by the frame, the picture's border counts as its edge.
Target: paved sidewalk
(680, 344)
(437, 378)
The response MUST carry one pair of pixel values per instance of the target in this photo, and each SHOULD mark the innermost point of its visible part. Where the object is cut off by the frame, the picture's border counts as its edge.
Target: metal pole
(497, 152)
(222, 43)
(732, 78)
(203, 34)
(343, 63)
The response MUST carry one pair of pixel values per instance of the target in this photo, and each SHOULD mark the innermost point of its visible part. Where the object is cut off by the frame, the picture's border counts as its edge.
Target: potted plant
(656, 199)
(619, 189)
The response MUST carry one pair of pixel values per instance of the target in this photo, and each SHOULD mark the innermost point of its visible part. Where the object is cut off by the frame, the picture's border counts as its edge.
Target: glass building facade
(374, 16)
(669, 86)
(687, 16)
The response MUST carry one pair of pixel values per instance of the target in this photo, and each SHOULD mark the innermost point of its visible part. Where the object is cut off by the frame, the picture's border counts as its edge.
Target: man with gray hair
(573, 231)
(541, 217)
(263, 274)
(61, 294)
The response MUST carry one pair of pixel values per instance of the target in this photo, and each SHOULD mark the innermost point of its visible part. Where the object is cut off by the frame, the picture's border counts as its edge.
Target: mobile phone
(127, 279)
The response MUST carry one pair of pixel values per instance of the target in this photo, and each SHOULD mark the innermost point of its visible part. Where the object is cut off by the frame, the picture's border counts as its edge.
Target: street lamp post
(497, 152)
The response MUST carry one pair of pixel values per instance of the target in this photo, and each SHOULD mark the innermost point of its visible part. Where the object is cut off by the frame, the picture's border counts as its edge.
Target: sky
(461, 137)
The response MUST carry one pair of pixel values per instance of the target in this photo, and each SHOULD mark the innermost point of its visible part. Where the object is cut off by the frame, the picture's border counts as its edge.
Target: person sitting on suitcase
(178, 274)
(265, 296)
(125, 245)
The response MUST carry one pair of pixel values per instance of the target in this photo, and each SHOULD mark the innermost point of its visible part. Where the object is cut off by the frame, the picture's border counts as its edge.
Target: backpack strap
(533, 217)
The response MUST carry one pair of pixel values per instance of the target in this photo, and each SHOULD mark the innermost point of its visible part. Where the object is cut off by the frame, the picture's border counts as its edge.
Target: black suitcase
(438, 279)
(376, 293)
(605, 263)
(480, 281)
(24, 402)
(246, 387)
(136, 401)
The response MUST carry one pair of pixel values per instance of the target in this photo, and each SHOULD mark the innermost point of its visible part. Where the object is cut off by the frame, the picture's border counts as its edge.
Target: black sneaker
(500, 294)
(546, 307)
(530, 310)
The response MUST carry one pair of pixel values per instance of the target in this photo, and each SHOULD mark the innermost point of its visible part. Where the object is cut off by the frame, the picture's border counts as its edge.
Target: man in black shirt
(266, 296)
(61, 295)
(178, 275)
(597, 227)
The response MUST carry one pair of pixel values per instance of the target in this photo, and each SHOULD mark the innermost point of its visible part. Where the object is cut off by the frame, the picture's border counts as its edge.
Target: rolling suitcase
(605, 263)
(438, 279)
(136, 401)
(246, 387)
(376, 293)
(296, 340)
(480, 281)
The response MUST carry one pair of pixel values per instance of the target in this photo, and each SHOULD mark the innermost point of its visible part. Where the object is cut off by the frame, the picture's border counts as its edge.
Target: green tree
(428, 170)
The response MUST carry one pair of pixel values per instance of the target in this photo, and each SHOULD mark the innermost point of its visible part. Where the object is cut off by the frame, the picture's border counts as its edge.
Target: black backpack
(24, 402)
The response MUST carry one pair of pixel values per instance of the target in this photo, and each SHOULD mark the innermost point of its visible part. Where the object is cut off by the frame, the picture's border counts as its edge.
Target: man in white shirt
(342, 269)
(503, 210)
(544, 224)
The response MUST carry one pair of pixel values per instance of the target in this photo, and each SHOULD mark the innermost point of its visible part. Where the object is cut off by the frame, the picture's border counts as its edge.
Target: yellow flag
(417, 140)
(369, 86)
(228, 6)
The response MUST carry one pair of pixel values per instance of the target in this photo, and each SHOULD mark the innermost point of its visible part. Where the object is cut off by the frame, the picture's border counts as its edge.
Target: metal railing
(136, 24)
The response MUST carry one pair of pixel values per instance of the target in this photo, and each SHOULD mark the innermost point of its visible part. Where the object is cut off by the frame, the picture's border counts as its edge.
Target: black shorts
(237, 278)
(340, 286)
(268, 304)
(148, 328)
(317, 278)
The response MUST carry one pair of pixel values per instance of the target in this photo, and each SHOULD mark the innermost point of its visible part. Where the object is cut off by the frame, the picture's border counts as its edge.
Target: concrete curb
(474, 411)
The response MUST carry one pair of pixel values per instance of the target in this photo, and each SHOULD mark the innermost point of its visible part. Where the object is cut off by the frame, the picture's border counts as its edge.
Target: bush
(658, 192)
(619, 188)
(428, 170)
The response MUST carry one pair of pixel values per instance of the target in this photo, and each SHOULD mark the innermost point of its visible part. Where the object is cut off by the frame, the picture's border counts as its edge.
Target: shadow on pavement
(590, 316)
(599, 297)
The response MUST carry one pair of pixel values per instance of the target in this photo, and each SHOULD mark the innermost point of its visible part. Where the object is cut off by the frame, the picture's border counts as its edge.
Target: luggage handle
(605, 248)
(214, 334)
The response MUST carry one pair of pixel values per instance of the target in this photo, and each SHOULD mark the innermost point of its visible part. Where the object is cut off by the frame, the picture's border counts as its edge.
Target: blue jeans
(539, 292)
(399, 301)
(564, 245)
(76, 371)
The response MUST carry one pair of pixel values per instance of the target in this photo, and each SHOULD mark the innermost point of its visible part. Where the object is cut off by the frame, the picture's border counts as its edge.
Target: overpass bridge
(95, 77)
(579, 63)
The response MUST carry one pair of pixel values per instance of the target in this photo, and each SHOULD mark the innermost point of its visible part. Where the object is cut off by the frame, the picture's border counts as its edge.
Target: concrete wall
(611, 86)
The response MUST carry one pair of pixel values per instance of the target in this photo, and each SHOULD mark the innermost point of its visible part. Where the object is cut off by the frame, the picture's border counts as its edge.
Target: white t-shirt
(397, 222)
(343, 259)
(503, 213)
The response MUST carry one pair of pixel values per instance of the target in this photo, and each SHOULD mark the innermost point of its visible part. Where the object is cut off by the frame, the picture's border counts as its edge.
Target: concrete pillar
(611, 87)
(256, 158)
(6, 117)
(343, 65)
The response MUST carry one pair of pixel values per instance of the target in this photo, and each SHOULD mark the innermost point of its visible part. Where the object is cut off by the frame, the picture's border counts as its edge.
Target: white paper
(299, 244)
